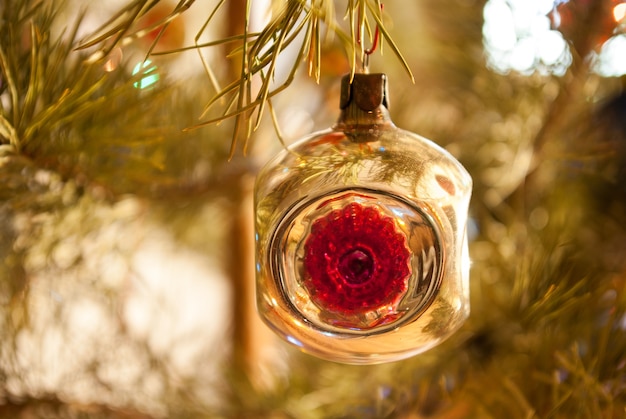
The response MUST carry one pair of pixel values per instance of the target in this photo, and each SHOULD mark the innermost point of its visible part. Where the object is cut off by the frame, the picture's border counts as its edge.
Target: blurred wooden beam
(252, 339)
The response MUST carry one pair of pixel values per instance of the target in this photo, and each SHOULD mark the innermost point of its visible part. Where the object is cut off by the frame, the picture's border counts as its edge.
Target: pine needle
(260, 50)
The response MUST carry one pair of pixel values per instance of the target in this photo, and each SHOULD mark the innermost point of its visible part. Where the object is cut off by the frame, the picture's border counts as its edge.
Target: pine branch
(68, 114)
(307, 22)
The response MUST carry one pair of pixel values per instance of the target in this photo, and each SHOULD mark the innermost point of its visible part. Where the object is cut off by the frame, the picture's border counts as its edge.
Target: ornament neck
(364, 107)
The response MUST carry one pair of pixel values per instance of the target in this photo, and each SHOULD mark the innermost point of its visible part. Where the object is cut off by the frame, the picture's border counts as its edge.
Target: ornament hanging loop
(368, 51)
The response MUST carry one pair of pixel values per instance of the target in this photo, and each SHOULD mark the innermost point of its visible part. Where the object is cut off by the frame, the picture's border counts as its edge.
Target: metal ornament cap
(366, 91)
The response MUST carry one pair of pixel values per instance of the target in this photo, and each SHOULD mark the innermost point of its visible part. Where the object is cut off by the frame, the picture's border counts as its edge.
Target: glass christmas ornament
(361, 236)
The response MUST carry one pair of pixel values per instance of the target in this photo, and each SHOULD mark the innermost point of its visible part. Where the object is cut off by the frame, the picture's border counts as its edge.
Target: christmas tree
(130, 136)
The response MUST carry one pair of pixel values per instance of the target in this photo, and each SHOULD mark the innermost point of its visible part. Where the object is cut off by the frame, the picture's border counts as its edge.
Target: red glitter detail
(355, 261)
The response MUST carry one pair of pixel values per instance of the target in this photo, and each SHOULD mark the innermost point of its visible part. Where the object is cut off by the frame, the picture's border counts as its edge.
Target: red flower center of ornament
(356, 266)
(355, 261)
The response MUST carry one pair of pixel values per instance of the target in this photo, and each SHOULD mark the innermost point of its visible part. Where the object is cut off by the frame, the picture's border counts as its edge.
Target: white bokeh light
(517, 36)
(611, 62)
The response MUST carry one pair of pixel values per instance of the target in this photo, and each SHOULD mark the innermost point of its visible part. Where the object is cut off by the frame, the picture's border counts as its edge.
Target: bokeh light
(517, 36)
(611, 61)
(149, 73)
(619, 12)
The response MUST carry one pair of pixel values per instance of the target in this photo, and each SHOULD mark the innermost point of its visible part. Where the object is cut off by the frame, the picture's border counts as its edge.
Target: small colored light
(149, 73)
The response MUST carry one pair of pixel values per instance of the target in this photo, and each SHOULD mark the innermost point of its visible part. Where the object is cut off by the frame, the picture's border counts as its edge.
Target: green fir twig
(259, 51)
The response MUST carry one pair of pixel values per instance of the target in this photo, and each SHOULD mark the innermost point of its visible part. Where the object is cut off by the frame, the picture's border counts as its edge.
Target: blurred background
(126, 238)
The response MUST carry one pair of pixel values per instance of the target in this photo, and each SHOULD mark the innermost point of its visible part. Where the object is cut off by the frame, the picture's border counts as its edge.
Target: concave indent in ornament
(357, 262)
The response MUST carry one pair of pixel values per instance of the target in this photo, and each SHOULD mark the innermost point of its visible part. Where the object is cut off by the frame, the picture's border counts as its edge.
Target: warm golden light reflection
(114, 60)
